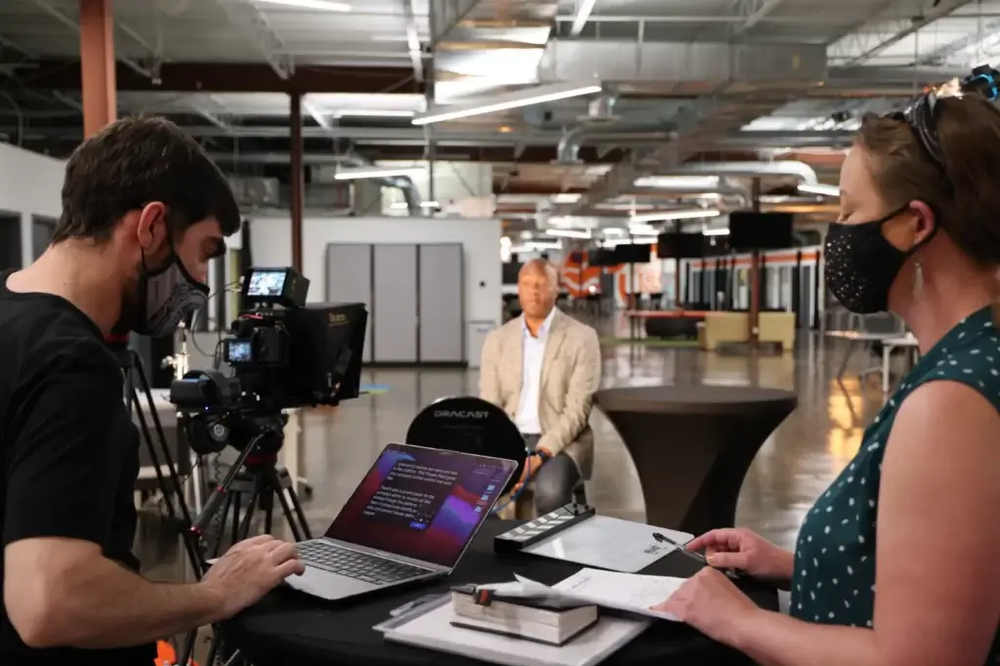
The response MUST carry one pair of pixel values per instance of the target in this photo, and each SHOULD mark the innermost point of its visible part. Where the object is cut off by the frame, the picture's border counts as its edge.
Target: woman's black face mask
(861, 265)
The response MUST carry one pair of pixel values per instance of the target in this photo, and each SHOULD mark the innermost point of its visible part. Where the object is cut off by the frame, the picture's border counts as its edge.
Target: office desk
(290, 628)
(692, 446)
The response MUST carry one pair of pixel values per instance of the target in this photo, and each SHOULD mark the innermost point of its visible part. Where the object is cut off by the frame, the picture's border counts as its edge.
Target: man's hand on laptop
(249, 570)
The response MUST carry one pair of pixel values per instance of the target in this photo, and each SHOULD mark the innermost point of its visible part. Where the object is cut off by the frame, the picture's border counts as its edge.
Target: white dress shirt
(532, 354)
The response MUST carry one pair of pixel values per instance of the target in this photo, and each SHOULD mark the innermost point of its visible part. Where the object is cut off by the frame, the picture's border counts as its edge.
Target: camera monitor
(275, 286)
(469, 425)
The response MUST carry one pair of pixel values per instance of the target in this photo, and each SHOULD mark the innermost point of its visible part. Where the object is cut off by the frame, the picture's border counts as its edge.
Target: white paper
(608, 543)
(522, 587)
(629, 592)
(634, 593)
(434, 630)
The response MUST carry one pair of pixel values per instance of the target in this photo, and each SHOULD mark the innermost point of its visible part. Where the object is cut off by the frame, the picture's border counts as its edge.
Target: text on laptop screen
(422, 503)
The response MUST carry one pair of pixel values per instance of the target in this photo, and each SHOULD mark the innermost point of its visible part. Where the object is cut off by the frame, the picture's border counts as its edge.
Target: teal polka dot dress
(834, 578)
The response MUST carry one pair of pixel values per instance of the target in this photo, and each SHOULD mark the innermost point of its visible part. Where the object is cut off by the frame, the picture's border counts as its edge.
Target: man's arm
(584, 381)
(64, 452)
(489, 370)
(64, 592)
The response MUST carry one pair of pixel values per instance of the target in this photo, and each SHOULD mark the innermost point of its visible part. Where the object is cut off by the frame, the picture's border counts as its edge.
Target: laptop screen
(422, 503)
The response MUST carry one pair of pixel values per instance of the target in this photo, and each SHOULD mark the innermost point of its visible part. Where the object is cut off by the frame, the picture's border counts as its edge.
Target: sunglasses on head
(983, 81)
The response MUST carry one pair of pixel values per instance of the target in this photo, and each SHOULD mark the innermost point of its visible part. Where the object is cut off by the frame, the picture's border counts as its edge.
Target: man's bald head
(540, 267)
(537, 288)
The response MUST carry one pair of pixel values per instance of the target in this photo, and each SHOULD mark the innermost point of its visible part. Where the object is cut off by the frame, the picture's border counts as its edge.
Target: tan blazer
(571, 374)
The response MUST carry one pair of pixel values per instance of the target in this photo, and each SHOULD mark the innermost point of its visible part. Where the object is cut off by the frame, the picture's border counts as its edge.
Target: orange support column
(97, 65)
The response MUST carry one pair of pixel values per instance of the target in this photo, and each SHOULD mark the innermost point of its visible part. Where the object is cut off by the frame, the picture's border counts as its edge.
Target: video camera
(283, 353)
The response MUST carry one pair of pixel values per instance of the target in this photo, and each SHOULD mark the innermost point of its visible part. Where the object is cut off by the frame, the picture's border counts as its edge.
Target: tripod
(253, 474)
(131, 365)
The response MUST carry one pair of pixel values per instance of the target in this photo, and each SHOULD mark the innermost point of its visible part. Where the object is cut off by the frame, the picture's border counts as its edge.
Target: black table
(291, 628)
(692, 446)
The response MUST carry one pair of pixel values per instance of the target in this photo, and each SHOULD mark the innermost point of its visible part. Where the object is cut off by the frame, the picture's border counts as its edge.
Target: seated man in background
(543, 369)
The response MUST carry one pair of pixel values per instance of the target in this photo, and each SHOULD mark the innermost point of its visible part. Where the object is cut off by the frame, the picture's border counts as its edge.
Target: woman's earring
(918, 278)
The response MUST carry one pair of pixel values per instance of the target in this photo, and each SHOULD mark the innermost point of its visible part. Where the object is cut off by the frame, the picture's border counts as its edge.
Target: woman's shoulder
(972, 358)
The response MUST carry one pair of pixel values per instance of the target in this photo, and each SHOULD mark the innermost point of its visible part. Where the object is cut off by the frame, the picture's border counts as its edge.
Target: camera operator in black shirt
(144, 210)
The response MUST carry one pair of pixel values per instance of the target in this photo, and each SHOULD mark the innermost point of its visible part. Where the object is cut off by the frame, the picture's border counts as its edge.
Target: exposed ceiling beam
(756, 11)
(231, 77)
(876, 36)
(413, 42)
(245, 15)
(940, 55)
(68, 21)
(14, 46)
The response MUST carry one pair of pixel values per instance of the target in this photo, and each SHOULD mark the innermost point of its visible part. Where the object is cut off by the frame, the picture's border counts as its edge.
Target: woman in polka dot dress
(898, 562)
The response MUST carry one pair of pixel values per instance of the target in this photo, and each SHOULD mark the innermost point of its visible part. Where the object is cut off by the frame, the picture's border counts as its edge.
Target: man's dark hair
(133, 162)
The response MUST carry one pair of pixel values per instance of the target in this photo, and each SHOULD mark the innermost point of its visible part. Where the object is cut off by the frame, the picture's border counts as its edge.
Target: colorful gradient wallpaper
(422, 503)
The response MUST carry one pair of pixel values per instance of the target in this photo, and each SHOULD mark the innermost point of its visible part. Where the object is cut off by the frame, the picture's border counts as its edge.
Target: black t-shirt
(70, 457)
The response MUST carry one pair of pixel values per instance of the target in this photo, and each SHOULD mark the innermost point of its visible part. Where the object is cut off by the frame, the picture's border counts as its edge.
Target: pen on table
(662, 538)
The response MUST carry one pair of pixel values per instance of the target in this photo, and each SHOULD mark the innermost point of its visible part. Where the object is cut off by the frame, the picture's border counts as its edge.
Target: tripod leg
(231, 498)
(251, 507)
(237, 497)
(267, 492)
(300, 530)
(293, 497)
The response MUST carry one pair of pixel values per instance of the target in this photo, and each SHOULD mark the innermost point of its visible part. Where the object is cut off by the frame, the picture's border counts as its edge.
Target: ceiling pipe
(568, 151)
(805, 173)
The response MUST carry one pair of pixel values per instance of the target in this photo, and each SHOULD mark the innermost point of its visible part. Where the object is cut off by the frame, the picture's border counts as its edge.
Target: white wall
(30, 184)
(271, 245)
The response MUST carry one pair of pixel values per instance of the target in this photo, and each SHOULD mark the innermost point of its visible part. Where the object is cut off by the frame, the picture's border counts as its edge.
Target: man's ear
(151, 229)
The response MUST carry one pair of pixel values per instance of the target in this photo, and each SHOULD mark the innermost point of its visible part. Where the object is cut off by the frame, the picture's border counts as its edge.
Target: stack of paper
(635, 593)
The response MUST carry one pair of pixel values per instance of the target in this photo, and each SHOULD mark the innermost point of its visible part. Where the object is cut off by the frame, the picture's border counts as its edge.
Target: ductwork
(679, 67)
(410, 192)
(569, 145)
(800, 170)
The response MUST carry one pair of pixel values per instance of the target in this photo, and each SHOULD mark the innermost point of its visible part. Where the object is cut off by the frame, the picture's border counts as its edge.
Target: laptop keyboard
(362, 566)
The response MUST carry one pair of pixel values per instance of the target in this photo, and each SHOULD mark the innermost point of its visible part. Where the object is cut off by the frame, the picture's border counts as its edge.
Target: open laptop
(411, 518)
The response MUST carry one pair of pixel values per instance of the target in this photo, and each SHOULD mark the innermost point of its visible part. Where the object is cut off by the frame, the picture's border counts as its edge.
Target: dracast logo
(336, 319)
(460, 414)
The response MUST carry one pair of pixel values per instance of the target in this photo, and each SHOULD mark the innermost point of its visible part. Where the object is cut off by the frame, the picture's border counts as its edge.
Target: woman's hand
(741, 549)
(712, 604)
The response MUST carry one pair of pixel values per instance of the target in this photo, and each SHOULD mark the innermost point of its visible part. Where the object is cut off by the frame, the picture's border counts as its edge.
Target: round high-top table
(289, 628)
(692, 446)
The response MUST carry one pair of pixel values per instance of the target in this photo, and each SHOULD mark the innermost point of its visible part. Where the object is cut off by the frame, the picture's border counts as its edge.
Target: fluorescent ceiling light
(821, 189)
(526, 97)
(429, 204)
(399, 205)
(324, 5)
(613, 242)
(374, 113)
(373, 172)
(567, 233)
(536, 245)
(693, 183)
(669, 215)
(582, 14)
(643, 230)
(565, 197)
(715, 232)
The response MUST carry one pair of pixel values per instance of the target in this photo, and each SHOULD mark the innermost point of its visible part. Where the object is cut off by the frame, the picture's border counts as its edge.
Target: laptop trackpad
(328, 585)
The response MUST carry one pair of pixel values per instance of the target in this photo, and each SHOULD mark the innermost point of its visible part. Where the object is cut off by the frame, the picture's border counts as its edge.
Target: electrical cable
(524, 484)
